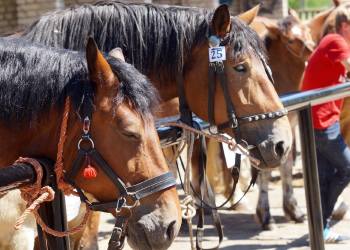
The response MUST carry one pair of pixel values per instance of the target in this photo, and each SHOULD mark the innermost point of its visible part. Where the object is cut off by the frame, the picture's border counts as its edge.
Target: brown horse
(119, 102)
(292, 39)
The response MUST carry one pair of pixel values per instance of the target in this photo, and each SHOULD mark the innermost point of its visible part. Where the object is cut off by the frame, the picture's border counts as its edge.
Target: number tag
(230, 155)
(217, 54)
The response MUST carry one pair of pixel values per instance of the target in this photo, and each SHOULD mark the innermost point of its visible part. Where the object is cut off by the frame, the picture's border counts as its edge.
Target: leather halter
(126, 193)
(217, 70)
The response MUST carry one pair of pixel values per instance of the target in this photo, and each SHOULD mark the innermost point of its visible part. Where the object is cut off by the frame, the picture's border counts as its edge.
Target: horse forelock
(245, 40)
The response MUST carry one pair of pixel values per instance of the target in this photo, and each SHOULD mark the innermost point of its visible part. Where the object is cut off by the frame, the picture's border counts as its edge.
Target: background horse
(35, 83)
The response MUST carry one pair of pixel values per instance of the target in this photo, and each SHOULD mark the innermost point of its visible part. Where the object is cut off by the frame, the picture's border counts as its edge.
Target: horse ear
(249, 15)
(100, 71)
(272, 29)
(221, 23)
(117, 53)
(294, 14)
(316, 24)
(337, 2)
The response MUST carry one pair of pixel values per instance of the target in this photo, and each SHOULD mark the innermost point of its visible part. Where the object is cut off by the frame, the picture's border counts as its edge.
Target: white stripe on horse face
(296, 31)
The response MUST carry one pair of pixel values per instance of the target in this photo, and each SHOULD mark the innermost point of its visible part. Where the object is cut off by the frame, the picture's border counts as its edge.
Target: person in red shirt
(328, 66)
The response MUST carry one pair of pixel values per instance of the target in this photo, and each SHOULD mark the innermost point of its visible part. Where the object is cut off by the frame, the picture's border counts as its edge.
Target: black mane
(151, 37)
(34, 78)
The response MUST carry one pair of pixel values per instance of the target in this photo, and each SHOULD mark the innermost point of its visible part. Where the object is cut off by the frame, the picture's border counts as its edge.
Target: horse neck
(286, 68)
(38, 139)
(167, 88)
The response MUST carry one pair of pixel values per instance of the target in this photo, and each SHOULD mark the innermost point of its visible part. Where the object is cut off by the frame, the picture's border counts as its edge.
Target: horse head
(249, 88)
(292, 39)
(109, 144)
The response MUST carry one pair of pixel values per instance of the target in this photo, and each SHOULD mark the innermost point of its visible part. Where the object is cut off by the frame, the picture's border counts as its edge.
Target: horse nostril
(171, 230)
(279, 149)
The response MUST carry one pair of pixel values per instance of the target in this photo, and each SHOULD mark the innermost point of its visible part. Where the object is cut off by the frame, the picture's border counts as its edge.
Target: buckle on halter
(86, 125)
(120, 204)
(234, 122)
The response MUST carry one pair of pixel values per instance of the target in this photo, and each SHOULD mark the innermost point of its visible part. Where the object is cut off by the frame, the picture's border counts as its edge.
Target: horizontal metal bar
(295, 101)
(316, 96)
(16, 176)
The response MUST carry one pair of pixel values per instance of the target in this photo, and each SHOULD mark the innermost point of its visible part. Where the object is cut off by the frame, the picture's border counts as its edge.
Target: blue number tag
(217, 54)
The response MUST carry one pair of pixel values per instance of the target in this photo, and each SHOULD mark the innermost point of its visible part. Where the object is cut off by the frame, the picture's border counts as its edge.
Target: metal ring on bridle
(86, 138)
(122, 203)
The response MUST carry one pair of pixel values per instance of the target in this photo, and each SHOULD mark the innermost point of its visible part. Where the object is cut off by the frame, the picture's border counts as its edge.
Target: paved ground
(242, 233)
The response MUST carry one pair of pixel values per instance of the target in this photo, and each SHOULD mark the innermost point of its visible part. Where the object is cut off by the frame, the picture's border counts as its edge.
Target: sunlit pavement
(242, 232)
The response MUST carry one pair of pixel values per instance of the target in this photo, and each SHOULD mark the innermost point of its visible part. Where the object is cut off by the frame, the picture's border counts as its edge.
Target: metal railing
(53, 213)
(306, 14)
(300, 102)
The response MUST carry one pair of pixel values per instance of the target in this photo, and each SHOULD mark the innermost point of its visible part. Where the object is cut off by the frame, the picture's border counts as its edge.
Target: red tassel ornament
(89, 171)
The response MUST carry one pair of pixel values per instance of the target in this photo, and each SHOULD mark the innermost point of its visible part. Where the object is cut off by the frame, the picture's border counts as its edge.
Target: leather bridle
(217, 71)
(132, 193)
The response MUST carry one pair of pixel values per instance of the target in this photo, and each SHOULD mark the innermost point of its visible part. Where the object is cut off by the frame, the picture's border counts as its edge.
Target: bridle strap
(257, 117)
(205, 188)
(185, 112)
(216, 70)
(116, 242)
(135, 192)
(151, 186)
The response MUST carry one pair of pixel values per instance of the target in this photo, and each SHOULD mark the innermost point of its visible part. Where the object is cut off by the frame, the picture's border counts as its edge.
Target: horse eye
(290, 41)
(132, 135)
(240, 68)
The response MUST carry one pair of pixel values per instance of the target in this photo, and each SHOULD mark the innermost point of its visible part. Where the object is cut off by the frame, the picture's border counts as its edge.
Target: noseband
(132, 193)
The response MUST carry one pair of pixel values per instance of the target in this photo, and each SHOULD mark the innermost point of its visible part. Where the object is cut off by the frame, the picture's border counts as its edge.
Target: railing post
(311, 184)
(53, 213)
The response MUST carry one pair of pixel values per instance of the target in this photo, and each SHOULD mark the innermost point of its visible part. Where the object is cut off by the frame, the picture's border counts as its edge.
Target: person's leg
(331, 146)
(323, 167)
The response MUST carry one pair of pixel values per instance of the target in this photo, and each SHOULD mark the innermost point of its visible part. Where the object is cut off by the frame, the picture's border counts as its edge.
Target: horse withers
(115, 102)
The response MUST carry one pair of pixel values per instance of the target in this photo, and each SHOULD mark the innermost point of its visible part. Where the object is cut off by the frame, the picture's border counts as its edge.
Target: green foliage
(297, 4)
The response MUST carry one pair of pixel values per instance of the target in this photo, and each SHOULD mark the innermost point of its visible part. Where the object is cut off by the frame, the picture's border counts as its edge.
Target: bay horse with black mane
(170, 45)
(108, 104)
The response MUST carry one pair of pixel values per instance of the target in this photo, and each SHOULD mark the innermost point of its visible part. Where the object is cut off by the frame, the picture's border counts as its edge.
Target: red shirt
(325, 69)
